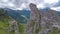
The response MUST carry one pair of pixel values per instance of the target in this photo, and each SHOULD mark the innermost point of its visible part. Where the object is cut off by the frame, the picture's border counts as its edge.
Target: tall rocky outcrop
(41, 23)
(13, 26)
(33, 24)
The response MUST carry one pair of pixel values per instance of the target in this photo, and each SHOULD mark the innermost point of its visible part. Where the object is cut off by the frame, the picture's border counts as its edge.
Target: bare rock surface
(13, 24)
(41, 23)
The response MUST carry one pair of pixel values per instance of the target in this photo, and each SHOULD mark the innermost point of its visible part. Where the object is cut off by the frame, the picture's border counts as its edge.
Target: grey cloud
(57, 4)
(19, 3)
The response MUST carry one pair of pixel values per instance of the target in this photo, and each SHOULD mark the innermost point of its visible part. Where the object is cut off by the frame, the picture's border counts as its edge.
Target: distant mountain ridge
(17, 14)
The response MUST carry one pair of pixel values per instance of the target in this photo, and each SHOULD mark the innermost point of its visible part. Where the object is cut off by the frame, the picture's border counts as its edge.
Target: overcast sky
(24, 4)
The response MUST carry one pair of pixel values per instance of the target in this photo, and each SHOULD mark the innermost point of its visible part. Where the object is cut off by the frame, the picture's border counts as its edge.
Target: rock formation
(41, 23)
(35, 20)
(13, 24)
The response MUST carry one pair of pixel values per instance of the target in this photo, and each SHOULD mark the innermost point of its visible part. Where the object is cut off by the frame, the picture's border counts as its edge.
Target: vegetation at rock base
(21, 29)
(37, 30)
(32, 23)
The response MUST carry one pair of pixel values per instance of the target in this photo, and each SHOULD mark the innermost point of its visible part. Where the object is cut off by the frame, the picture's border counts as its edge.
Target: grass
(2, 32)
(21, 28)
(37, 30)
(4, 24)
(32, 23)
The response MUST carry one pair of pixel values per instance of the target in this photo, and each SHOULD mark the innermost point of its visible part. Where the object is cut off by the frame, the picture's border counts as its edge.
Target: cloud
(51, 1)
(41, 5)
(57, 4)
(55, 8)
(24, 4)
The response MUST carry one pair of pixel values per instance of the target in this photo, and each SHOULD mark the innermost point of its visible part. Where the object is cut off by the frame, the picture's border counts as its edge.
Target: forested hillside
(4, 19)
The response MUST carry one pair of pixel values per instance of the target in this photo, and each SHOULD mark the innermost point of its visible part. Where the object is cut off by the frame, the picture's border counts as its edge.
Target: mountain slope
(21, 16)
(5, 23)
(4, 19)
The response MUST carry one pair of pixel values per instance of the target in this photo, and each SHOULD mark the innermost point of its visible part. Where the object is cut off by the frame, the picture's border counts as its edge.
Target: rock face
(13, 26)
(41, 23)
(35, 20)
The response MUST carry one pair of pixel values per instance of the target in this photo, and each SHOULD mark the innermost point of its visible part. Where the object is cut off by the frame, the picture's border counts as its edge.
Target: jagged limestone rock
(13, 26)
(50, 18)
(41, 23)
(35, 19)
